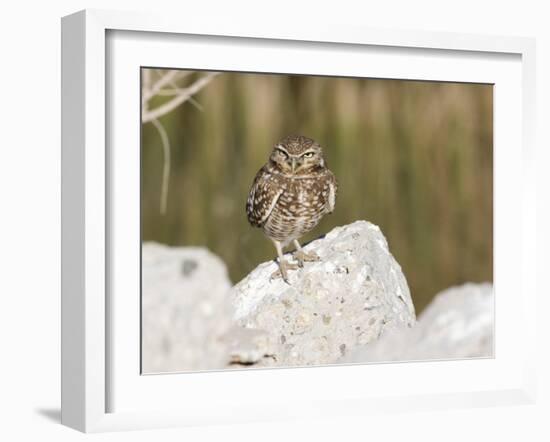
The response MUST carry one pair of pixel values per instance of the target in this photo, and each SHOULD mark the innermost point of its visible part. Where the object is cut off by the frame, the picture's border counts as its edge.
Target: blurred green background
(414, 157)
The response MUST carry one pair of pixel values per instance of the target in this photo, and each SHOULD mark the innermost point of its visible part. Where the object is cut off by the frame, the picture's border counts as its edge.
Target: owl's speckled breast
(299, 209)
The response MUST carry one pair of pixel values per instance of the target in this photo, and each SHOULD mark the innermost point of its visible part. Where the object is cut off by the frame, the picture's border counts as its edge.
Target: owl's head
(297, 155)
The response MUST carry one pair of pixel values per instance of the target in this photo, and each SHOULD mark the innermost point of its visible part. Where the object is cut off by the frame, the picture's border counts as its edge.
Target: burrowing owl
(290, 194)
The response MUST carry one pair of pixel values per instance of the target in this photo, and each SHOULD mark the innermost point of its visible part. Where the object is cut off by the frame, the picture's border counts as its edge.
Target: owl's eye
(282, 153)
(308, 155)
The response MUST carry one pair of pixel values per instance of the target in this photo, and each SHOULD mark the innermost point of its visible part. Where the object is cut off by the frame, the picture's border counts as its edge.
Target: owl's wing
(262, 198)
(332, 191)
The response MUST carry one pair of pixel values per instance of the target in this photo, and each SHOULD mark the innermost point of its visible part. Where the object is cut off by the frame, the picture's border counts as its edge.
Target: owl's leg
(283, 265)
(302, 256)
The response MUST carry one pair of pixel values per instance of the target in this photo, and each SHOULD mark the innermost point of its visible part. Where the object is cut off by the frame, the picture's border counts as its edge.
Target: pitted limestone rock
(347, 299)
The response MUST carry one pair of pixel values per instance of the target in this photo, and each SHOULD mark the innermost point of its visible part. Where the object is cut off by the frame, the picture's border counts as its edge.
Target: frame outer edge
(529, 211)
(340, 33)
(83, 333)
(95, 257)
(73, 370)
(83, 364)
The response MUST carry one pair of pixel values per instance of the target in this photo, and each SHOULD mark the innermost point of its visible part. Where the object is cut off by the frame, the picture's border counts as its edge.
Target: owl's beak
(293, 165)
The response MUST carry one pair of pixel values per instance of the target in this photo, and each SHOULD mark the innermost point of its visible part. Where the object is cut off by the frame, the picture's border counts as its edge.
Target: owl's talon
(302, 257)
(282, 272)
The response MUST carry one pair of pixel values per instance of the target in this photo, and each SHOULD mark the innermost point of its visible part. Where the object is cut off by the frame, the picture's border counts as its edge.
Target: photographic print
(300, 220)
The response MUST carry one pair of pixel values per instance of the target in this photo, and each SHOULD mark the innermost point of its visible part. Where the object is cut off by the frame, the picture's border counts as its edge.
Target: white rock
(185, 309)
(347, 299)
(247, 345)
(458, 323)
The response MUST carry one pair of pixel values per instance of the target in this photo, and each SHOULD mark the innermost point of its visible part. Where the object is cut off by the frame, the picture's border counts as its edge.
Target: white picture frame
(91, 326)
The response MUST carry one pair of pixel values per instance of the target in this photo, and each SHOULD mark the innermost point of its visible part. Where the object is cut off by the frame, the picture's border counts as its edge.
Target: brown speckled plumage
(292, 191)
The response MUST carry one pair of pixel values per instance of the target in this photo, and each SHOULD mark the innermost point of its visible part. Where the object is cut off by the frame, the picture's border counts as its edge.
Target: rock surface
(458, 323)
(185, 309)
(247, 346)
(353, 305)
(347, 299)
(187, 317)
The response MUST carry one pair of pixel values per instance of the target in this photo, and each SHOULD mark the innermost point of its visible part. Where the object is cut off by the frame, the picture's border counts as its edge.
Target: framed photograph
(266, 222)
